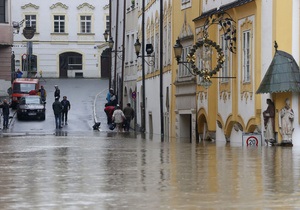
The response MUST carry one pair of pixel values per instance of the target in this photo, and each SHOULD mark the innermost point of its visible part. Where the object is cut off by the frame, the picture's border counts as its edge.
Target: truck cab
(21, 87)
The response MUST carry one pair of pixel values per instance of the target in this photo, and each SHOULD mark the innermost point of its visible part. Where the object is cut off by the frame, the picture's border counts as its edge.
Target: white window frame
(225, 68)
(246, 55)
(85, 24)
(30, 20)
(183, 68)
(59, 22)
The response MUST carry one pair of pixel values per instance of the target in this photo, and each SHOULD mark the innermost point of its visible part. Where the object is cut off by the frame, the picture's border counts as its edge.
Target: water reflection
(125, 171)
(61, 133)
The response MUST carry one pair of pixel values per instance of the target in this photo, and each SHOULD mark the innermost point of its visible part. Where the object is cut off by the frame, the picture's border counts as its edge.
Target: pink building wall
(6, 41)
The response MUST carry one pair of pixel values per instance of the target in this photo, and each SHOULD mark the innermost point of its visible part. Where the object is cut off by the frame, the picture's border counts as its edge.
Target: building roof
(225, 7)
(283, 75)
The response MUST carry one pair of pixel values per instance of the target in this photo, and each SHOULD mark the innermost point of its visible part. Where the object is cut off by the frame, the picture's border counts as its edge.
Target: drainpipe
(116, 47)
(109, 76)
(161, 72)
(143, 69)
(123, 53)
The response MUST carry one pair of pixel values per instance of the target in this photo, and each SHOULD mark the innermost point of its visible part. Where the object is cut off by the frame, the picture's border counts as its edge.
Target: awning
(283, 75)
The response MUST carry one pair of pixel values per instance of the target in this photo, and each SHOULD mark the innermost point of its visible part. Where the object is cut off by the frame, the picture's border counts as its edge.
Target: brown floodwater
(125, 171)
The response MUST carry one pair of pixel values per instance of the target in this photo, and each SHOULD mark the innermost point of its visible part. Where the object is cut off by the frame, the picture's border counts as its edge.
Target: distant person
(5, 112)
(66, 107)
(57, 108)
(118, 118)
(19, 74)
(109, 110)
(43, 93)
(56, 92)
(110, 92)
(129, 115)
(111, 98)
(33, 92)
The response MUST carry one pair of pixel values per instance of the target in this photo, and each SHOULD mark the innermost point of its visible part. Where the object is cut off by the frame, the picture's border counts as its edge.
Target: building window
(3, 18)
(225, 67)
(59, 24)
(186, 4)
(75, 62)
(85, 24)
(107, 23)
(31, 21)
(183, 69)
(185, 1)
(246, 56)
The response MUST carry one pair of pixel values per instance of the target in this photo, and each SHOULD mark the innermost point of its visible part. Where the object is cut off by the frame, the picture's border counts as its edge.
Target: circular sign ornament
(28, 32)
(24, 56)
(252, 141)
(206, 73)
(133, 95)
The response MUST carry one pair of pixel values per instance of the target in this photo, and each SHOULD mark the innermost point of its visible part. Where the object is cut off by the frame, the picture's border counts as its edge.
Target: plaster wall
(212, 4)
(267, 49)
(47, 46)
(246, 100)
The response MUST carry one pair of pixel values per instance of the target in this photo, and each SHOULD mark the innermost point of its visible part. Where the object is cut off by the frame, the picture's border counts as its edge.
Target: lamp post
(118, 54)
(106, 34)
(149, 50)
(28, 33)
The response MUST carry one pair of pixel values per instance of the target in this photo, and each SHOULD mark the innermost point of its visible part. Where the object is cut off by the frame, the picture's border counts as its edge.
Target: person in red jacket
(33, 92)
(109, 110)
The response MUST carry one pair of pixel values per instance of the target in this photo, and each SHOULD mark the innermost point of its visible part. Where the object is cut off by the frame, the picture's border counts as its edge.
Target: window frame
(183, 70)
(60, 23)
(77, 65)
(3, 11)
(246, 55)
(30, 20)
(225, 70)
(85, 24)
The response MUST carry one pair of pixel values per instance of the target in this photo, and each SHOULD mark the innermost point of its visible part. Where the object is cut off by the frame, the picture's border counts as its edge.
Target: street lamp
(178, 52)
(105, 34)
(149, 50)
(111, 45)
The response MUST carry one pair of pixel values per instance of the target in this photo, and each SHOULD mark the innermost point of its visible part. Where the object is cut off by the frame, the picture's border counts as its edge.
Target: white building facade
(68, 39)
(158, 74)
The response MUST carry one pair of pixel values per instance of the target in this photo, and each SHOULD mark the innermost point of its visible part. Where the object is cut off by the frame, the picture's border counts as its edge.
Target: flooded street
(99, 170)
(77, 167)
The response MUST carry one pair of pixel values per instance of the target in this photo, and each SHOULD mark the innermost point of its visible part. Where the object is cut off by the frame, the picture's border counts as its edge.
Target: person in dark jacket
(129, 114)
(56, 92)
(57, 108)
(66, 107)
(5, 112)
(43, 93)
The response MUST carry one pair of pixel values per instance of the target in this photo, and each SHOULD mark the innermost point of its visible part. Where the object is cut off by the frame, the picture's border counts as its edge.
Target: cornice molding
(59, 4)
(85, 5)
(30, 5)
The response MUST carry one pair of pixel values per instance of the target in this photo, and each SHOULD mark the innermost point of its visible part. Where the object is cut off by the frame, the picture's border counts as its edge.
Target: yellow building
(245, 30)
(183, 106)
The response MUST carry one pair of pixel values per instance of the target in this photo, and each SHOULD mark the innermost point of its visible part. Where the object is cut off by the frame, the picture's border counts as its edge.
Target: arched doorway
(70, 61)
(105, 63)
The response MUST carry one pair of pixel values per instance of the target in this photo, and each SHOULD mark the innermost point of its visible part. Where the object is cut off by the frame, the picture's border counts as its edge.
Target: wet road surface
(79, 168)
(126, 171)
